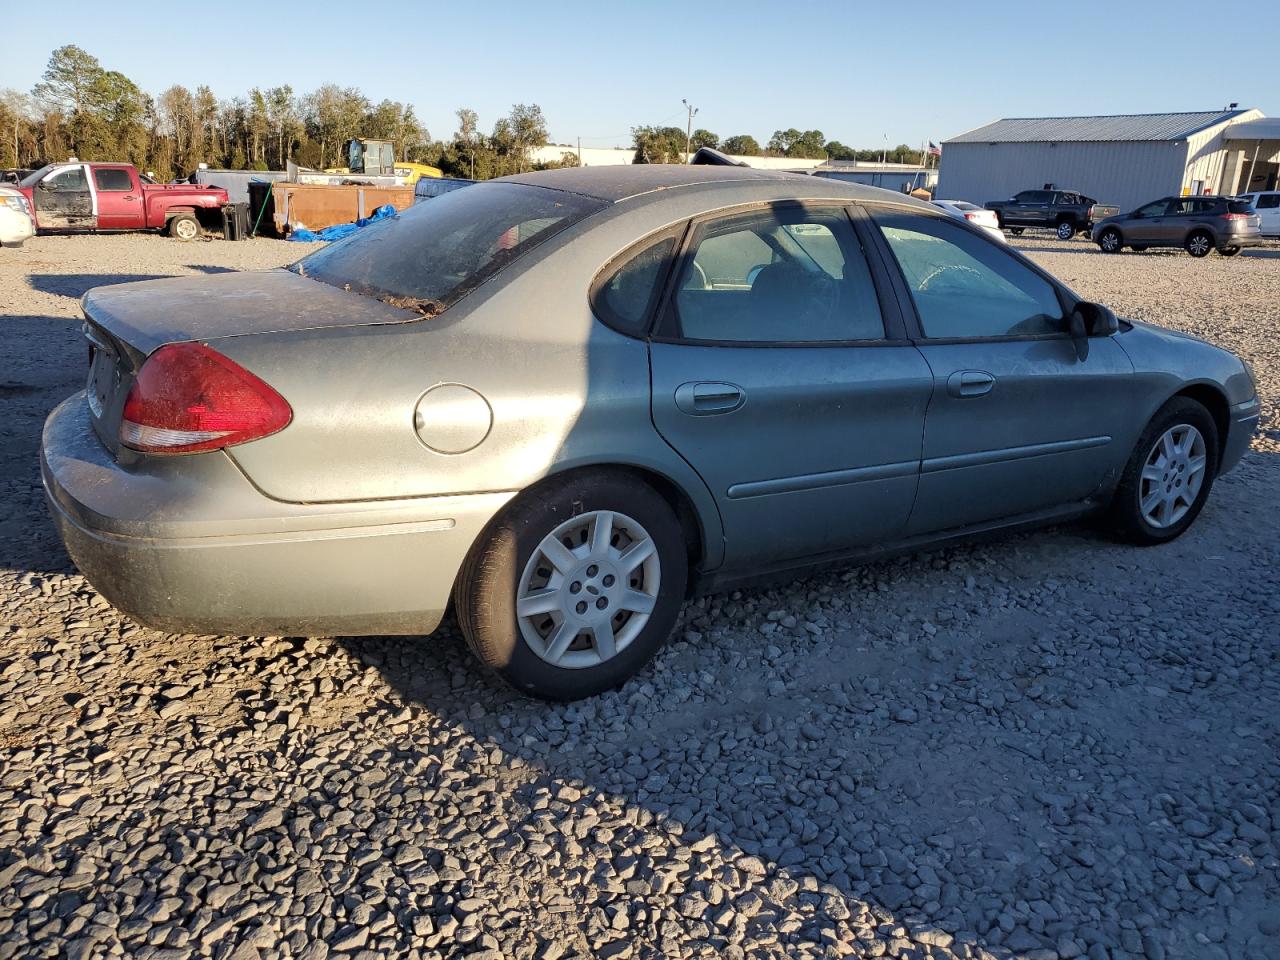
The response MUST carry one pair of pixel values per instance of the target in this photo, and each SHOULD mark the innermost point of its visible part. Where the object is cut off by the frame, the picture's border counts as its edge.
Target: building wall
(1124, 173)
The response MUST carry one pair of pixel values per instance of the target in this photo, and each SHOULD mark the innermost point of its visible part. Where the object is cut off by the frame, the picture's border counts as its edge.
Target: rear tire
(1066, 230)
(1161, 491)
(1138, 249)
(1229, 251)
(558, 613)
(1110, 241)
(1199, 243)
(1017, 231)
(184, 227)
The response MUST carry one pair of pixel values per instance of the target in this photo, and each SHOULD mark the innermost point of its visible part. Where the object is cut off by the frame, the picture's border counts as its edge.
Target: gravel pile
(1046, 746)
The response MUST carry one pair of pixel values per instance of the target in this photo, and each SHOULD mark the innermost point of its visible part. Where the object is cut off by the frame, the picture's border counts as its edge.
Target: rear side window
(433, 254)
(112, 180)
(789, 274)
(625, 298)
(965, 287)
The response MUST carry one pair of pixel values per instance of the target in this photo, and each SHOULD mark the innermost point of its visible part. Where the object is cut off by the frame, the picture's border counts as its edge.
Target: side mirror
(1099, 320)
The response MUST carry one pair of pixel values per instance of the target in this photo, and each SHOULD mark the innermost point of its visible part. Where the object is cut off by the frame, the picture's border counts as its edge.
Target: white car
(964, 210)
(16, 224)
(1267, 203)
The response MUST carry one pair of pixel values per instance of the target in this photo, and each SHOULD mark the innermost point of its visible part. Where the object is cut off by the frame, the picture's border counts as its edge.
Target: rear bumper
(1240, 431)
(193, 547)
(1247, 240)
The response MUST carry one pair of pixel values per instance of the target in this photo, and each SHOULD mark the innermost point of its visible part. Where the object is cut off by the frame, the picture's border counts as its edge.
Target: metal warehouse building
(1126, 160)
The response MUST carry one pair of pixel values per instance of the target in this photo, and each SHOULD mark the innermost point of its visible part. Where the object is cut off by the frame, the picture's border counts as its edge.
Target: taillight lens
(1235, 216)
(188, 398)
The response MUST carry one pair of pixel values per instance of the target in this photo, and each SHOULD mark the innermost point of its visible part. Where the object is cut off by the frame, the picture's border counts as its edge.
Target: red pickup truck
(114, 196)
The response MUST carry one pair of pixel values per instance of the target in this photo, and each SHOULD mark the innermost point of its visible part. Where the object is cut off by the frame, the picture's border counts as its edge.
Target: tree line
(658, 144)
(81, 109)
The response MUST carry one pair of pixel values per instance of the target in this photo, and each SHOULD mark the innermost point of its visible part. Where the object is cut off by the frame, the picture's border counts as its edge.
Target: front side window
(112, 180)
(71, 180)
(783, 275)
(430, 256)
(964, 286)
(1154, 209)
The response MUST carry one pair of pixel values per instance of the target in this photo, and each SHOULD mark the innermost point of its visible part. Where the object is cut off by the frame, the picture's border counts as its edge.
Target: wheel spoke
(636, 602)
(1151, 501)
(601, 534)
(1165, 513)
(1167, 446)
(604, 640)
(558, 555)
(559, 641)
(1153, 473)
(539, 601)
(635, 554)
(1195, 465)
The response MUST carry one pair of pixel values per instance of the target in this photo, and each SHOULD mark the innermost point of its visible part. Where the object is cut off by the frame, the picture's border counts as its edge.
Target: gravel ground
(1044, 746)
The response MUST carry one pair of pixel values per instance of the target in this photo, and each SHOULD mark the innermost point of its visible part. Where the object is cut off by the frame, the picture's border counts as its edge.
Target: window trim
(615, 263)
(665, 327)
(1066, 298)
(109, 169)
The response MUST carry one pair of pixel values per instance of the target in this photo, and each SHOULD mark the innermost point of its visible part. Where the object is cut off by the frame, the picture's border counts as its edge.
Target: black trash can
(235, 221)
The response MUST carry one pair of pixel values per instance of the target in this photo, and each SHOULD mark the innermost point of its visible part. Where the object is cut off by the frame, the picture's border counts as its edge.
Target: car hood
(150, 313)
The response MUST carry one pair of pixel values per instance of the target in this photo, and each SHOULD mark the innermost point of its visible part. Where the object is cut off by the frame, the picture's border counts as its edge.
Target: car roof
(624, 181)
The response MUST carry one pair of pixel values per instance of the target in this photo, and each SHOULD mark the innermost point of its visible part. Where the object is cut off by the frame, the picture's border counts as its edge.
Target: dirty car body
(567, 399)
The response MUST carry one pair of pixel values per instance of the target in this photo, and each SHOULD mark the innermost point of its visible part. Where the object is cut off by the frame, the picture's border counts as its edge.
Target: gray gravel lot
(1044, 746)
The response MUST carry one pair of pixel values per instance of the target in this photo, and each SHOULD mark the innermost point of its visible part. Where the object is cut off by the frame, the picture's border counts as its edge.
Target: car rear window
(1239, 206)
(433, 254)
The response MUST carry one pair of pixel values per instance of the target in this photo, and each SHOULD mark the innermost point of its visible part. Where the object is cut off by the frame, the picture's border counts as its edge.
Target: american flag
(934, 149)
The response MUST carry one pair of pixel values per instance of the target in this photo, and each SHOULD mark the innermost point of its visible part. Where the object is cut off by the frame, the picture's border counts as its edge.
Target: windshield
(31, 179)
(433, 254)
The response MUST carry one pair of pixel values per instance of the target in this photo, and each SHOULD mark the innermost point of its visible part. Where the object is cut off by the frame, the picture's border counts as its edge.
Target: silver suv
(1197, 224)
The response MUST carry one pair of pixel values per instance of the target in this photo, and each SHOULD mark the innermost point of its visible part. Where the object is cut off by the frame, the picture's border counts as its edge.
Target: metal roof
(1137, 126)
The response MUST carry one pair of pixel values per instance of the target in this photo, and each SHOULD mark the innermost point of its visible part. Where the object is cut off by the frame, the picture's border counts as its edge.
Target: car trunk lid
(125, 323)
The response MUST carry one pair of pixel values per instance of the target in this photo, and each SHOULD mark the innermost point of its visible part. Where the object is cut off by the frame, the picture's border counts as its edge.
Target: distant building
(1126, 160)
(609, 156)
(899, 177)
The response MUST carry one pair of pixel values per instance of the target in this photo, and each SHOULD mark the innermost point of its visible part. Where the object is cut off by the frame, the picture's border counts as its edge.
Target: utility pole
(688, 131)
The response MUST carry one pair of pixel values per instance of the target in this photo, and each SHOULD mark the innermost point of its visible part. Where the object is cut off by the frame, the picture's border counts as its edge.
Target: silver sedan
(563, 401)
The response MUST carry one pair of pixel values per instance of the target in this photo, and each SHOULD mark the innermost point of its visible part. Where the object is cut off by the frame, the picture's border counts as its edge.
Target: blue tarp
(340, 230)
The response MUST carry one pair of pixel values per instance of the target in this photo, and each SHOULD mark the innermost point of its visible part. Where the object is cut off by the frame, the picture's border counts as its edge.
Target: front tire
(1110, 241)
(1169, 475)
(575, 586)
(1199, 244)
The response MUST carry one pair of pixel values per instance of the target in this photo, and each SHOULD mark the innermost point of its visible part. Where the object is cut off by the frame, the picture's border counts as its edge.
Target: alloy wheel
(1172, 476)
(1198, 245)
(588, 589)
(1066, 231)
(1109, 241)
(185, 229)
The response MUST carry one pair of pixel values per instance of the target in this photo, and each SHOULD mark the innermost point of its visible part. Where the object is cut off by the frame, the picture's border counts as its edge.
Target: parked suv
(1197, 224)
(1267, 203)
(1066, 212)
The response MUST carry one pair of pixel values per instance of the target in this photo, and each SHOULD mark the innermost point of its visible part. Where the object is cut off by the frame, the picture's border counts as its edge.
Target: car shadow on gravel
(934, 772)
(76, 285)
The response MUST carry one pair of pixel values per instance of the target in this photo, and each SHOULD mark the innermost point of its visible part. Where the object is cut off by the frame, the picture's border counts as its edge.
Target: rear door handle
(970, 383)
(707, 398)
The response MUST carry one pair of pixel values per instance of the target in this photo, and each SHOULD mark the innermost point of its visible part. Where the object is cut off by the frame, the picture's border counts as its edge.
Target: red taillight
(1235, 216)
(971, 216)
(188, 397)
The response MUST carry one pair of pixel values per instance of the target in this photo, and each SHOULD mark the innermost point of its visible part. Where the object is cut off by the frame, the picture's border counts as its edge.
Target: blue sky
(858, 72)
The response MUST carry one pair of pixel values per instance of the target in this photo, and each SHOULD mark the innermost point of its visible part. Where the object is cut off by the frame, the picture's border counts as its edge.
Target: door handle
(128, 198)
(970, 383)
(704, 398)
